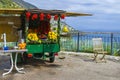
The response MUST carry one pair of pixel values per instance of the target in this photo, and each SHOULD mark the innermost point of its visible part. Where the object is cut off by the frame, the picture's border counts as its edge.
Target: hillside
(24, 4)
(15, 4)
(8, 4)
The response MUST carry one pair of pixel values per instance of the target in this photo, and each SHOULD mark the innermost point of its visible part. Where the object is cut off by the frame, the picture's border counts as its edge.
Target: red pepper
(48, 16)
(56, 17)
(62, 16)
(42, 16)
(35, 16)
(28, 15)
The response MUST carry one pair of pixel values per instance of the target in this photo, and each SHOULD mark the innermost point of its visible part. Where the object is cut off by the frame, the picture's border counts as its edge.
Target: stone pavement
(110, 57)
(74, 66)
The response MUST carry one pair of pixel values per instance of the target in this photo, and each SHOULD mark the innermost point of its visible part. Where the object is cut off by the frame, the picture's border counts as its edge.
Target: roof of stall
(77, 14)
(21, 10)
(52, 12)
(12, 11)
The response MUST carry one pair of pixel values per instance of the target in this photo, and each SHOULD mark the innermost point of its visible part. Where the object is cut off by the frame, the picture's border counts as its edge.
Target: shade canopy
(52, 12)
(69, 14)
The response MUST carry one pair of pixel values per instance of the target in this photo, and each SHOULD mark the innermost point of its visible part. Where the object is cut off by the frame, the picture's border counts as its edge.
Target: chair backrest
(97, 44)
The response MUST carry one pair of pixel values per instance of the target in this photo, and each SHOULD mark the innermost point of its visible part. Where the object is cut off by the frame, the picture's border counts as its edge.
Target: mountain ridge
(25, 4)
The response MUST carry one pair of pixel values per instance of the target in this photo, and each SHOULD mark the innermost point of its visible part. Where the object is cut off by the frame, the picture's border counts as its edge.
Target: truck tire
(52, 57)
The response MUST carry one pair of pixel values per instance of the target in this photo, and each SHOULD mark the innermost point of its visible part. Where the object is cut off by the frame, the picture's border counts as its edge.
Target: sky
(106, 13)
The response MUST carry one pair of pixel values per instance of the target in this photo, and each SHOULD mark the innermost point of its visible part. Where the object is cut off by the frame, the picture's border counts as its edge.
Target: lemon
(65, 29)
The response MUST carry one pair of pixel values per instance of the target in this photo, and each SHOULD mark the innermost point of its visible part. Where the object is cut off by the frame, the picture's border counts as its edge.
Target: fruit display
(52, 35)
(65, 29)
(42, 38)
(32, 37)
(22, 45)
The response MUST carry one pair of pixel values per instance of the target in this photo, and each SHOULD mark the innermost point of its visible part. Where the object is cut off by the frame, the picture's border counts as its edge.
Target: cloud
(97, 6)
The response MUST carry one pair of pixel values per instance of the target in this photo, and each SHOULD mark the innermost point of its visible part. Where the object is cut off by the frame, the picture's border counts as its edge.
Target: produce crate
(51, 47)
(35, 48)
(40, 48)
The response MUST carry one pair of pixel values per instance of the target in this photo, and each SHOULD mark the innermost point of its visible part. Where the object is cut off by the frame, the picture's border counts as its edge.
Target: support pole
(78, 42)
(112, 43)
(59, 29)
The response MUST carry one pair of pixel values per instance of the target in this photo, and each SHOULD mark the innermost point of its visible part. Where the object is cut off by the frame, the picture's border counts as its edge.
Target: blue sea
(105, 37)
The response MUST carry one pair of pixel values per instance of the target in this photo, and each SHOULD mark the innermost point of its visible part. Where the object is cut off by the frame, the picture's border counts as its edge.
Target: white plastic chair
(98, 48)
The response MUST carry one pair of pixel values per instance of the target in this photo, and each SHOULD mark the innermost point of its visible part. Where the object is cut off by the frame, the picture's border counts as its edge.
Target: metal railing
(82, 42)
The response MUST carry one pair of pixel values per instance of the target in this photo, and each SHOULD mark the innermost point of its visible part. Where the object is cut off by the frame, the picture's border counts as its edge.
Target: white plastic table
(12, 62)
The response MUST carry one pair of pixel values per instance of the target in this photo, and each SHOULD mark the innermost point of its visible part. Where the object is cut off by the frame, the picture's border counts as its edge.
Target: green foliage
(8, 4)
(117, 52)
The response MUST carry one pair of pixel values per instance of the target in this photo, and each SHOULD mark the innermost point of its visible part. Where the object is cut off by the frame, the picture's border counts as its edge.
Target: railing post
(78, 42)
(112, 43)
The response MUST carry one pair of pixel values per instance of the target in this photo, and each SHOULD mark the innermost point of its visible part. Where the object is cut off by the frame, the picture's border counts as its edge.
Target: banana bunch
(32, 37)
(65, 29)
(52, 35)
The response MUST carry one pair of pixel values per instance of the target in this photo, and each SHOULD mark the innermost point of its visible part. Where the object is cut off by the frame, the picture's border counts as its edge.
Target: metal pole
(59, 29)
(78, 43)
(112, 43)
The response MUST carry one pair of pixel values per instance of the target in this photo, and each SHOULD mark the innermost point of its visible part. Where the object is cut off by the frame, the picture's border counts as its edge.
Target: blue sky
(106, 13)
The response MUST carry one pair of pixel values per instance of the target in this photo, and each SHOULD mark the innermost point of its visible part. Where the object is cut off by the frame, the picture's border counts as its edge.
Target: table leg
(18, 69)
(11, 66)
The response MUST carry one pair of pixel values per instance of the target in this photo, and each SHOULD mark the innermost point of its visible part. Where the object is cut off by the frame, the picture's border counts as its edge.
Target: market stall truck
(41, 32)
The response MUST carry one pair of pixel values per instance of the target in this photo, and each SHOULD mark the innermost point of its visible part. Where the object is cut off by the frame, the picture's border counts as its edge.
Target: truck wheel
(52, 57)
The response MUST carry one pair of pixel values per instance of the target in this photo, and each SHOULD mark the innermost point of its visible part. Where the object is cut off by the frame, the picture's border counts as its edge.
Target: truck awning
(21, 10)
(69, 14)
